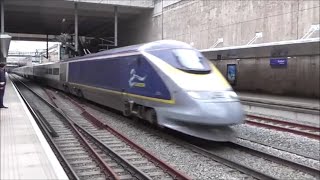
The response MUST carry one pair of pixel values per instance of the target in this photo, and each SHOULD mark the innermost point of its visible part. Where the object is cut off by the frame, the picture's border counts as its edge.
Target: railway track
(249, 171)
(210, 154)
(313, 171)
(295, 128)
(95, 151)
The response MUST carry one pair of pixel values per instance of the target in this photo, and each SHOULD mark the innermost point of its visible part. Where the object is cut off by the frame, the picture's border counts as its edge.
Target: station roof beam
(56, 17)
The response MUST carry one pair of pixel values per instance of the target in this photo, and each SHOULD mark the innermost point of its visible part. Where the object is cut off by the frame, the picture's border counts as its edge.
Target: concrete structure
(298, 75)
(203, 22)
(299, 78)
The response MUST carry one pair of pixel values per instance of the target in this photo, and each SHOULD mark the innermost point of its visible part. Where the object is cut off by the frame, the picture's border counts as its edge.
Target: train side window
(50, 71)
(55, 71)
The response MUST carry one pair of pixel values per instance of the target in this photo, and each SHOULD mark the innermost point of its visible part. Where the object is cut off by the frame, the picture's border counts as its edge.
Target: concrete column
(162, 19)
(116, 26)
(2, 16)
(76, 26)
(47, 47)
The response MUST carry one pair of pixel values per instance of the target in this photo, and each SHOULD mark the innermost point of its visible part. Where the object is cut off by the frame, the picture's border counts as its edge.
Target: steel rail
(285, 129)
(124, 163)
(286, 123)
(297, 166)
(110, 174)
(287, 107)
(244, 169)
(170, 170)
(115, 156)
(313, 171)
(63, 161)
(107, 170)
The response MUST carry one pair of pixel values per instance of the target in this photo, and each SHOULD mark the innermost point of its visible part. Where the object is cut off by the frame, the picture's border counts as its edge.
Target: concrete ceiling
(57, 16)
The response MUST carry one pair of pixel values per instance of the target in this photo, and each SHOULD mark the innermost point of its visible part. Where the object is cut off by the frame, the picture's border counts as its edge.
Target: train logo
(136, 80)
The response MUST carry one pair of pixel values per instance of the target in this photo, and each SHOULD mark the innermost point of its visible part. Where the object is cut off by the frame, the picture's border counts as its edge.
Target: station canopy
(53, 17)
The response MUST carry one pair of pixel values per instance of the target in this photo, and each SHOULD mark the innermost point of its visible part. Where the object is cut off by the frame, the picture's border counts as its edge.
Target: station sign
(279, 62)
(232, 74)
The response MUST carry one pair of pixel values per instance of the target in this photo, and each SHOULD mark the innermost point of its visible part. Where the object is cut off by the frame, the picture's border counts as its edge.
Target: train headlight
(199, 94)
(209, 95)
(231, 95)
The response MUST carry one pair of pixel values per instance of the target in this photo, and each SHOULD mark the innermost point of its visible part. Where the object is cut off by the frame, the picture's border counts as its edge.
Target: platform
(298, 102)
(303, 110)
(25, 153)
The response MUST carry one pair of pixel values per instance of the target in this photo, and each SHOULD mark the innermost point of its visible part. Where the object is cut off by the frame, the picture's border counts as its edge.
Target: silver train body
(166, 82)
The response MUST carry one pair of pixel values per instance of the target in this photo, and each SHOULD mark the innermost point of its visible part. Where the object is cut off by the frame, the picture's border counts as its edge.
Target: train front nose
(222, 113)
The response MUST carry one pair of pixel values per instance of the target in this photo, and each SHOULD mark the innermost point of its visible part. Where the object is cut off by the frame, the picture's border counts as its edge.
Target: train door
(133, 80)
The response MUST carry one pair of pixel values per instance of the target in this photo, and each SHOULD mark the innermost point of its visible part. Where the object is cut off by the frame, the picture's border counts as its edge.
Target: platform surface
(297, 102)
(25, 154)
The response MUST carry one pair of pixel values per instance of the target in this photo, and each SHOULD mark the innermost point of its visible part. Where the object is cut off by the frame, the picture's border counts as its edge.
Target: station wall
(204, 21)
(299, 78)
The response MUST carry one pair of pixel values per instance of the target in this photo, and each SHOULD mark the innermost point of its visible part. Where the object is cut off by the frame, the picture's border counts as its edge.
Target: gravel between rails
(281, 140)
(265, 166)
(193, 164)
(285, 155)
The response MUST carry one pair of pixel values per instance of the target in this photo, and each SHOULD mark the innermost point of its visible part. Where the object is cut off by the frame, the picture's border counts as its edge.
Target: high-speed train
(167, 82)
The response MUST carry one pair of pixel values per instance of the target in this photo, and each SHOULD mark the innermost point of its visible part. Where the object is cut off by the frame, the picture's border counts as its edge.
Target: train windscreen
(187, 60)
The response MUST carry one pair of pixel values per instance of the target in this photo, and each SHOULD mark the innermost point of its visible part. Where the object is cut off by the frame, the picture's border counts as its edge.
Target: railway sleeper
(71, 149)
(81, 163)
(66, 136)
(96, 168)
(126, 153)
(126, 177)
(77, 157)
(65, 139)
(110, 141)
(119, 150)
(101, 135)
(76, 145)
(155, 174)
(134, 157)
(84, 168)
(75, 153)
(138, 163)
(70, 141)
(91, 174)
(148, 168)
(116, 146)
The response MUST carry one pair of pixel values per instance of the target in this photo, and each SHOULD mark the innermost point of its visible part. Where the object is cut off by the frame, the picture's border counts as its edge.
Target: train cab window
(55, 71)
(187, 60)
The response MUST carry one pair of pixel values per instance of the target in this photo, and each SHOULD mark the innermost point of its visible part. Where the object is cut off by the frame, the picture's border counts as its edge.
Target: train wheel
(151, 116)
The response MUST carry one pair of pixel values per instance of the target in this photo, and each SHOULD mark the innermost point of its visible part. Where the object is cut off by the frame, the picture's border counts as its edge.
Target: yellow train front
(166, 82)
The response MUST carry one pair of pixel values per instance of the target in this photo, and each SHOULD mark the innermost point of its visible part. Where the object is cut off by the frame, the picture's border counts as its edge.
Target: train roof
(156, 45)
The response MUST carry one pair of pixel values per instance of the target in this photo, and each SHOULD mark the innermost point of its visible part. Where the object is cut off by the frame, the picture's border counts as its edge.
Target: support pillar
(2, 16)
(4, 38)
(115, 26)
(76, 38)
(47, 47)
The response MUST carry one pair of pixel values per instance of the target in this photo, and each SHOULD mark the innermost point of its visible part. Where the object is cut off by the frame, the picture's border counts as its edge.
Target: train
(167, 83)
